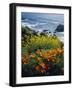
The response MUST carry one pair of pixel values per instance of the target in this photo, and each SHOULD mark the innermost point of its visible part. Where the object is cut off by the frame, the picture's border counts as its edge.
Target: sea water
(43, 21)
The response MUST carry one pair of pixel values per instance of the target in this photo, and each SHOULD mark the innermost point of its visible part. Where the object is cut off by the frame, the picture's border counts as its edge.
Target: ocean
(43, 21)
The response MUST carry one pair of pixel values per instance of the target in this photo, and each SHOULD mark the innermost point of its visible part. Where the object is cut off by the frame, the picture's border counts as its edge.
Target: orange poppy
(42, 71)
(39, 59)
(45, 66)
(25, 61)
(38, 51)
(32, 55)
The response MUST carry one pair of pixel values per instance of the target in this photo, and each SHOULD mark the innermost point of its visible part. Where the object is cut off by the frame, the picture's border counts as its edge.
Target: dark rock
(60, 28)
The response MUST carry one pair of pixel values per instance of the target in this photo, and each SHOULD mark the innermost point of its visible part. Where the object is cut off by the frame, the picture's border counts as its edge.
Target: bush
(41, 55)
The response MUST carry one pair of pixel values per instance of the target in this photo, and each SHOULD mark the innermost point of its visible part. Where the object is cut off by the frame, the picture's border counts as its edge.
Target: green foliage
(43, 42)
(31, 42)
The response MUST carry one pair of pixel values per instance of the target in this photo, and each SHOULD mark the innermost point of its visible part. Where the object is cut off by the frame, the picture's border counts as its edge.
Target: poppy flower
(39, 59)
(42, 71)
(45, 66)
(32, 55)
(39, 68)
(25, 61)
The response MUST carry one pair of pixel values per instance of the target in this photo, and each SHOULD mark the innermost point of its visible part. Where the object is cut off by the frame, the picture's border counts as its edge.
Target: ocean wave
(28, 24)
(50, 26)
